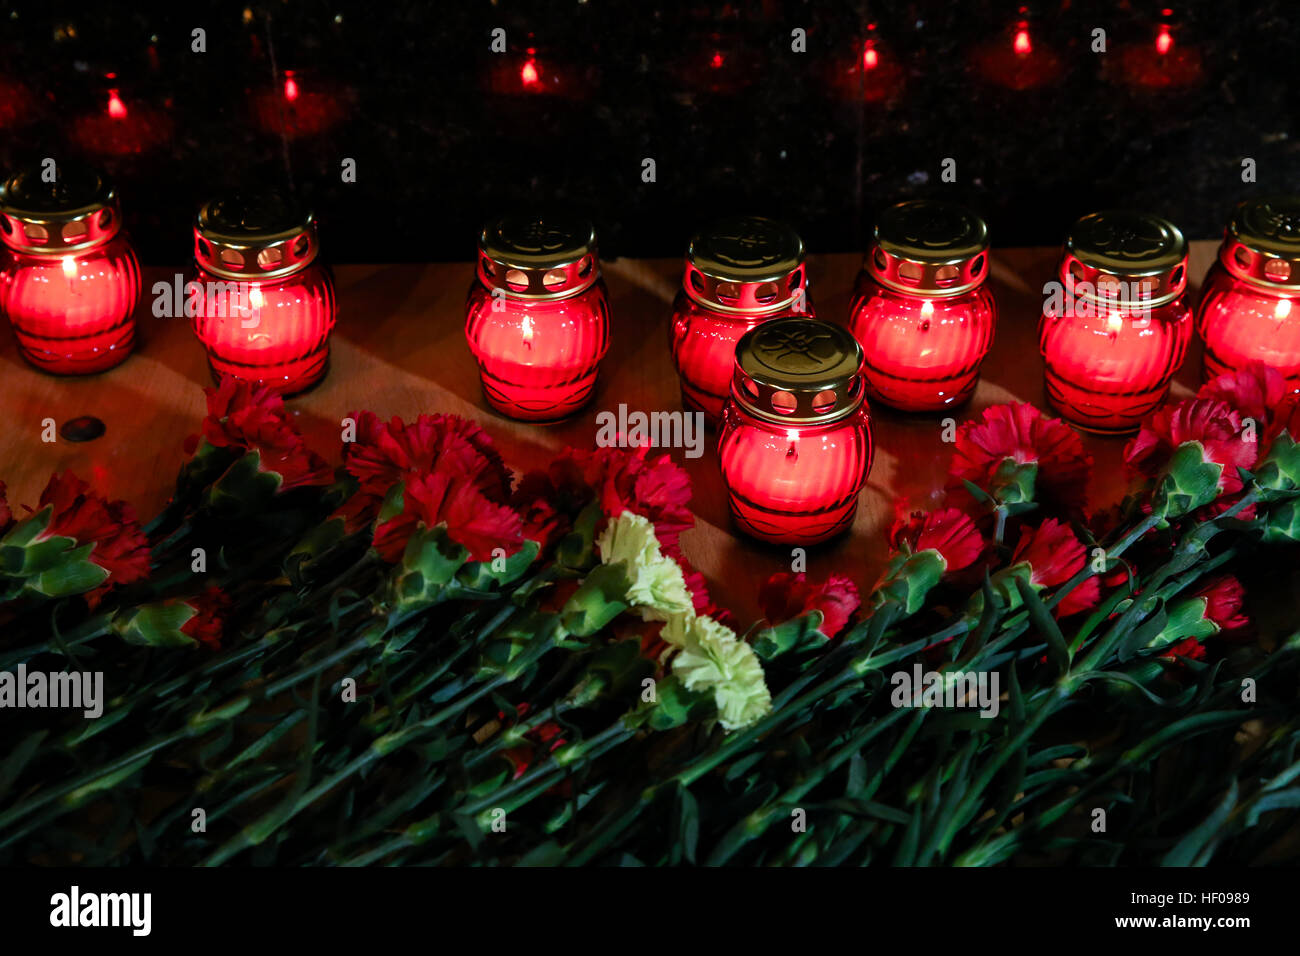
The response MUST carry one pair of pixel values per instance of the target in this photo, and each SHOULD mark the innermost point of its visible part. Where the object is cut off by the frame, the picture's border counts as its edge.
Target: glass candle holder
(1249, 309)
(1115, 332)
(70, 281)
(795, 441)
(739, 273)
(265, 305)
(921, 310)
(537, 317)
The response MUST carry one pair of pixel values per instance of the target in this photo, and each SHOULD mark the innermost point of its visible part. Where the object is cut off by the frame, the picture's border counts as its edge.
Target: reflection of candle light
(116, 108)
(290, 86)
(528, 74)
(1021, 43)
(716, 62)
(870, 58)
(1164, 41)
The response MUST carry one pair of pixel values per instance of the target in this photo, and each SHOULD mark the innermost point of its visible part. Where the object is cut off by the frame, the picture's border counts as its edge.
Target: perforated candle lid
(63, 210)
(254, 236)
(1127, 256)
(799, 371)
(538, 256)
(745, 264)
(929, 247)
(1261, 244)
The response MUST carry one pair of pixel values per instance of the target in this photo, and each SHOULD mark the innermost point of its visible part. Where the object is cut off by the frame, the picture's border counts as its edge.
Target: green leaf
(155, 625)
(1058, 654)
(1194, 848)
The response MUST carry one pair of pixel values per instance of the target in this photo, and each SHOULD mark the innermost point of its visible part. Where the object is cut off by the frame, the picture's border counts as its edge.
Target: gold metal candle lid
(1130, 258)
(254, 236)
(1262, 243)
(79, 210)
(538, 257)
(928, 247)
(747, 265)
(798, 371)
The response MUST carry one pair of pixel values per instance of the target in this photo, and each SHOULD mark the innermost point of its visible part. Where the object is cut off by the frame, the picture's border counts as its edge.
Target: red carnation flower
(120, 547)
(248, 418)
(1019, 432)
(1211, 422)
(471, 519)
(1055, 555)
(1224, 600)
(786, 596)
(950, 532)
(1256, 391)
(626, 479)
(207, 624)
(1188, 648)
(547, 735)
(386, 452)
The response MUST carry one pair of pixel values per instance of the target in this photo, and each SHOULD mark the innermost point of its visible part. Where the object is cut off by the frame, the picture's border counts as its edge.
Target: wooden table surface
(399, 349)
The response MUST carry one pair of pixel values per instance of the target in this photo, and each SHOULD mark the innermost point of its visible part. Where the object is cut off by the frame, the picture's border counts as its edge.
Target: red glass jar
(537, 317)
(795, 442)
(70, 281)
(1249, 309)
(265, 305)
(1116, 327)
(739, 272)
(921, 310)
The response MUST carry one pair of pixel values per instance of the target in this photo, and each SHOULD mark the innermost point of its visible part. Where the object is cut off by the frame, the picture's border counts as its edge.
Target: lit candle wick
(528, 332)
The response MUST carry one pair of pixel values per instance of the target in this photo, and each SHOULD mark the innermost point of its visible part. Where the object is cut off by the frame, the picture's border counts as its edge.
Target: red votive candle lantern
(1249, 309)
(795, 442)
(537, 317)
(739, 273)
(1118, 329)
(70, 281)
(921, 310)
(266, 304)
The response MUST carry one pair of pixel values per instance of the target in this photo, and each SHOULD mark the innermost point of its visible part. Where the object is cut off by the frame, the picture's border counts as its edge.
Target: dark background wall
(444, 132)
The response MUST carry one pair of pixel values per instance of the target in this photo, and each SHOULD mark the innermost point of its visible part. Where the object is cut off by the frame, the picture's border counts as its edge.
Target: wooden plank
(399, 349)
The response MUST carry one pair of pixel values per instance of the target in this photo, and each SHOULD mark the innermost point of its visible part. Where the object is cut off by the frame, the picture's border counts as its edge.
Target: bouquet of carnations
(420, 658)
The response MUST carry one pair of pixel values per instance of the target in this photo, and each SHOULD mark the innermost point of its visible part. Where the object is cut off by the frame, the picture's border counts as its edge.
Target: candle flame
(290, 86)
(870, 58)
(70, 267)
(1021, 43)
(716, 62)
(116, 108)
(255, 298)
(1164, 41)
(927, 309)
(1114, 323)
(528, 74)
(528, 331)
(1282, 309)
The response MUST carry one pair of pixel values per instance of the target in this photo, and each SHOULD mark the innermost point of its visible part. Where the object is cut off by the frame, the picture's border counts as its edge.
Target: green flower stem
(757, 822)
(84, 633)
(272, 821)
(542, 777)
